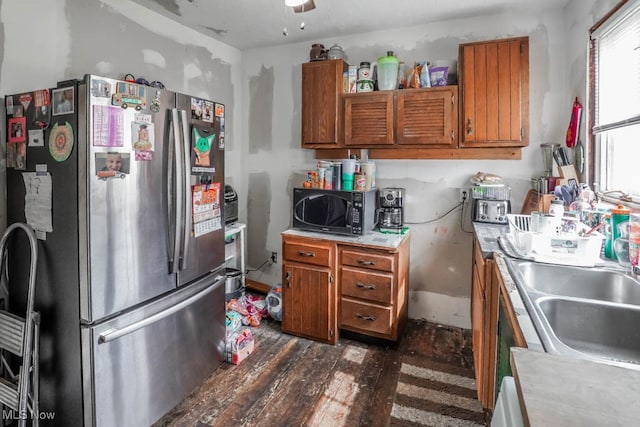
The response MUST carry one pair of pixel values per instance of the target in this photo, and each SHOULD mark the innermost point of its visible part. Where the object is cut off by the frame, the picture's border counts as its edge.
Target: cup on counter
(368, 168)
(348, 170)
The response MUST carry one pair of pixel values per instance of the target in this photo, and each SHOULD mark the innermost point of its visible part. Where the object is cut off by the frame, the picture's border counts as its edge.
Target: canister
(364, 72)
(619, 215)
(337, 175)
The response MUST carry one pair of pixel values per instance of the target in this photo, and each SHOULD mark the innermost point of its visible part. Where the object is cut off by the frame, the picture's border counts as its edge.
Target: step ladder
(19, 338)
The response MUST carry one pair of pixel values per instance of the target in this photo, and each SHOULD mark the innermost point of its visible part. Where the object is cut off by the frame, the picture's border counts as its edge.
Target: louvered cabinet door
(427, 117)
(368, 119)
(495, 93)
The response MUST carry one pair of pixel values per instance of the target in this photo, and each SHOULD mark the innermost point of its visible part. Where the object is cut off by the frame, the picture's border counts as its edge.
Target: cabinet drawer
(361, 316)
(367, 285)
(308, 254)
(374, 261)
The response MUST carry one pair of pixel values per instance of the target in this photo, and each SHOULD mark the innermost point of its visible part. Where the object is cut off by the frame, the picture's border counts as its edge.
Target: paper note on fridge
(37, 201)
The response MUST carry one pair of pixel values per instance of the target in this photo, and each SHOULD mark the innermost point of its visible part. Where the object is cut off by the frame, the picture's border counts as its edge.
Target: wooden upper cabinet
(368, 118)
(494, 76)
(427, 117)
(322, 103)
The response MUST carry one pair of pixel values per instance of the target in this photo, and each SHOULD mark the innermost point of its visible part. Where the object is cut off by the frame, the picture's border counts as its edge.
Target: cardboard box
(239, 345)
(353, 78)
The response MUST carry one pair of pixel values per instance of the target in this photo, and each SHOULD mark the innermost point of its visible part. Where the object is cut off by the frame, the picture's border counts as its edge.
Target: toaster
(491, 211)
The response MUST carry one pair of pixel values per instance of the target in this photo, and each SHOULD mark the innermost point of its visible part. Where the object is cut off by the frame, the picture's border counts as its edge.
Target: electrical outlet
(274, 257)
(463, 194)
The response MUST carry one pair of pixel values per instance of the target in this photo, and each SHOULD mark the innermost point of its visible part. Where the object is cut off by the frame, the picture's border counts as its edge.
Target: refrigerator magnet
(112, 164)
(18, 111)
(203, 140)
(197, 107)
(61, 141)
(17, 129)
(25, 100)
(108, 126)
(208, 112)
(36, 138)
(19, 154)
(100, 88)
(219, 110)
(143, 136)
(63, 100)
(9, 105)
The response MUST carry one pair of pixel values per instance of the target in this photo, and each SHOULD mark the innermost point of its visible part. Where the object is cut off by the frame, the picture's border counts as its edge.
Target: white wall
(45, 41)
(261, 89)
(441, 251)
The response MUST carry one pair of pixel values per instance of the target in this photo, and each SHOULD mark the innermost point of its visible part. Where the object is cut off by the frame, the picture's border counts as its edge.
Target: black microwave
(334, 211)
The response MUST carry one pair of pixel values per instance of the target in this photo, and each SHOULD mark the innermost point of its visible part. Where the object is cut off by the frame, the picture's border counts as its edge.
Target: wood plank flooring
(292, 381)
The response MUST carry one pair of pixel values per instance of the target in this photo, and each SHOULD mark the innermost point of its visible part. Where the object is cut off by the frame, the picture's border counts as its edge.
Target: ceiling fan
(300, 6)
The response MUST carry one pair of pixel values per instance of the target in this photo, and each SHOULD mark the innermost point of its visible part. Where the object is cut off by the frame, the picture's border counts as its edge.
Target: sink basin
(601, 330)
(580, 282)
(591, 313)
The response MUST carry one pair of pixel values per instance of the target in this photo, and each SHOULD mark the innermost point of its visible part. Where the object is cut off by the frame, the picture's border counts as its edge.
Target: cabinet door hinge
(521, 132)
(331, 278)
(452, 135)
(331, 332)
(453, 100)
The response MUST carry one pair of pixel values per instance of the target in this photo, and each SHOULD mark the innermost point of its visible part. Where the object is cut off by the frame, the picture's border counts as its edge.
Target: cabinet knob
(309, 254)
(365, 317)
(363, 262)
(469, 127)
(363, 286)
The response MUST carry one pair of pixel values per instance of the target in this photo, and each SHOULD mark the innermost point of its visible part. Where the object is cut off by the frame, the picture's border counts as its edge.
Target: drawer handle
(363, 286)
(303, 253)
(365, 317)
(363, 262)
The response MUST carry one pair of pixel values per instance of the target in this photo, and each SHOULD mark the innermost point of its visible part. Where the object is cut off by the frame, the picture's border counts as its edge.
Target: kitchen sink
(591, 313)
(580, 282)
(602, 330)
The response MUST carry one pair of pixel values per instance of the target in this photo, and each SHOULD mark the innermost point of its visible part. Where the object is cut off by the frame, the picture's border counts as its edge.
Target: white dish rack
(554, 247)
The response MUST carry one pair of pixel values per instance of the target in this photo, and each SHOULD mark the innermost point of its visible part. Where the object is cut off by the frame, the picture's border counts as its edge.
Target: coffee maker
(391, 210)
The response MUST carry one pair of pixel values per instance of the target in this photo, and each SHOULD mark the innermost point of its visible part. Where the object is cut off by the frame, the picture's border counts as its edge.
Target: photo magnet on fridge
(203, 139)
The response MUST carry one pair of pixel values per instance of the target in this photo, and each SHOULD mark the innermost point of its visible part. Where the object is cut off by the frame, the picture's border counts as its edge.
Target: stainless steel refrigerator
(124, 185)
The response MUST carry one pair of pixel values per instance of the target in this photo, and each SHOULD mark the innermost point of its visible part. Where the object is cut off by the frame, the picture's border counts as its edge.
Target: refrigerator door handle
(177, 195)
(186, 134)
(114, 333)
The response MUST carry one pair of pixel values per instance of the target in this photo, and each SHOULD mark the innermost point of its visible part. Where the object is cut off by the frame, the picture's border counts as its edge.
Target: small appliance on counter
(230, 205)
(491, 203)
(391, 211)
(334, 211)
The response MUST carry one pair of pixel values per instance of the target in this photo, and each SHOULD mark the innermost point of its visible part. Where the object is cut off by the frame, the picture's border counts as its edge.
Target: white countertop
(371, 239)
(558, 390)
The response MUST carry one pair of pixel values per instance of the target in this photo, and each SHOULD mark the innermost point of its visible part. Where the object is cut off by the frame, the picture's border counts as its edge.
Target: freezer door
(126, 210)
(140, 365)
(203, 152)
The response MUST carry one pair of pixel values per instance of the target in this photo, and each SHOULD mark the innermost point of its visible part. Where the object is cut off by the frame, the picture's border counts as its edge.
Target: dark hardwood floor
(292, 381)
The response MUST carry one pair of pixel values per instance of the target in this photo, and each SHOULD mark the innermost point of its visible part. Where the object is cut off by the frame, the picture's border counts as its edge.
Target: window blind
(618, 69)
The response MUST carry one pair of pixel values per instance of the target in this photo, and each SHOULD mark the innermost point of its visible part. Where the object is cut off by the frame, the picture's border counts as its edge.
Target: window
(615, 87)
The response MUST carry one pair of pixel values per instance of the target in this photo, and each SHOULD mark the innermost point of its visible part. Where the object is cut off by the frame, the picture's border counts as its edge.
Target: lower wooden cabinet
(484, 320)
(331, 284)
(309, 290)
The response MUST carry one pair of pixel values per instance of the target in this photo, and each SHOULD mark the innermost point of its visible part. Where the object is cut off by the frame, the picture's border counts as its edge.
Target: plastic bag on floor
(239, 345)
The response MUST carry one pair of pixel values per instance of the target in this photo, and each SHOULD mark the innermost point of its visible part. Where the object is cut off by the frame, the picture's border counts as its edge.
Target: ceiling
(246, 24)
